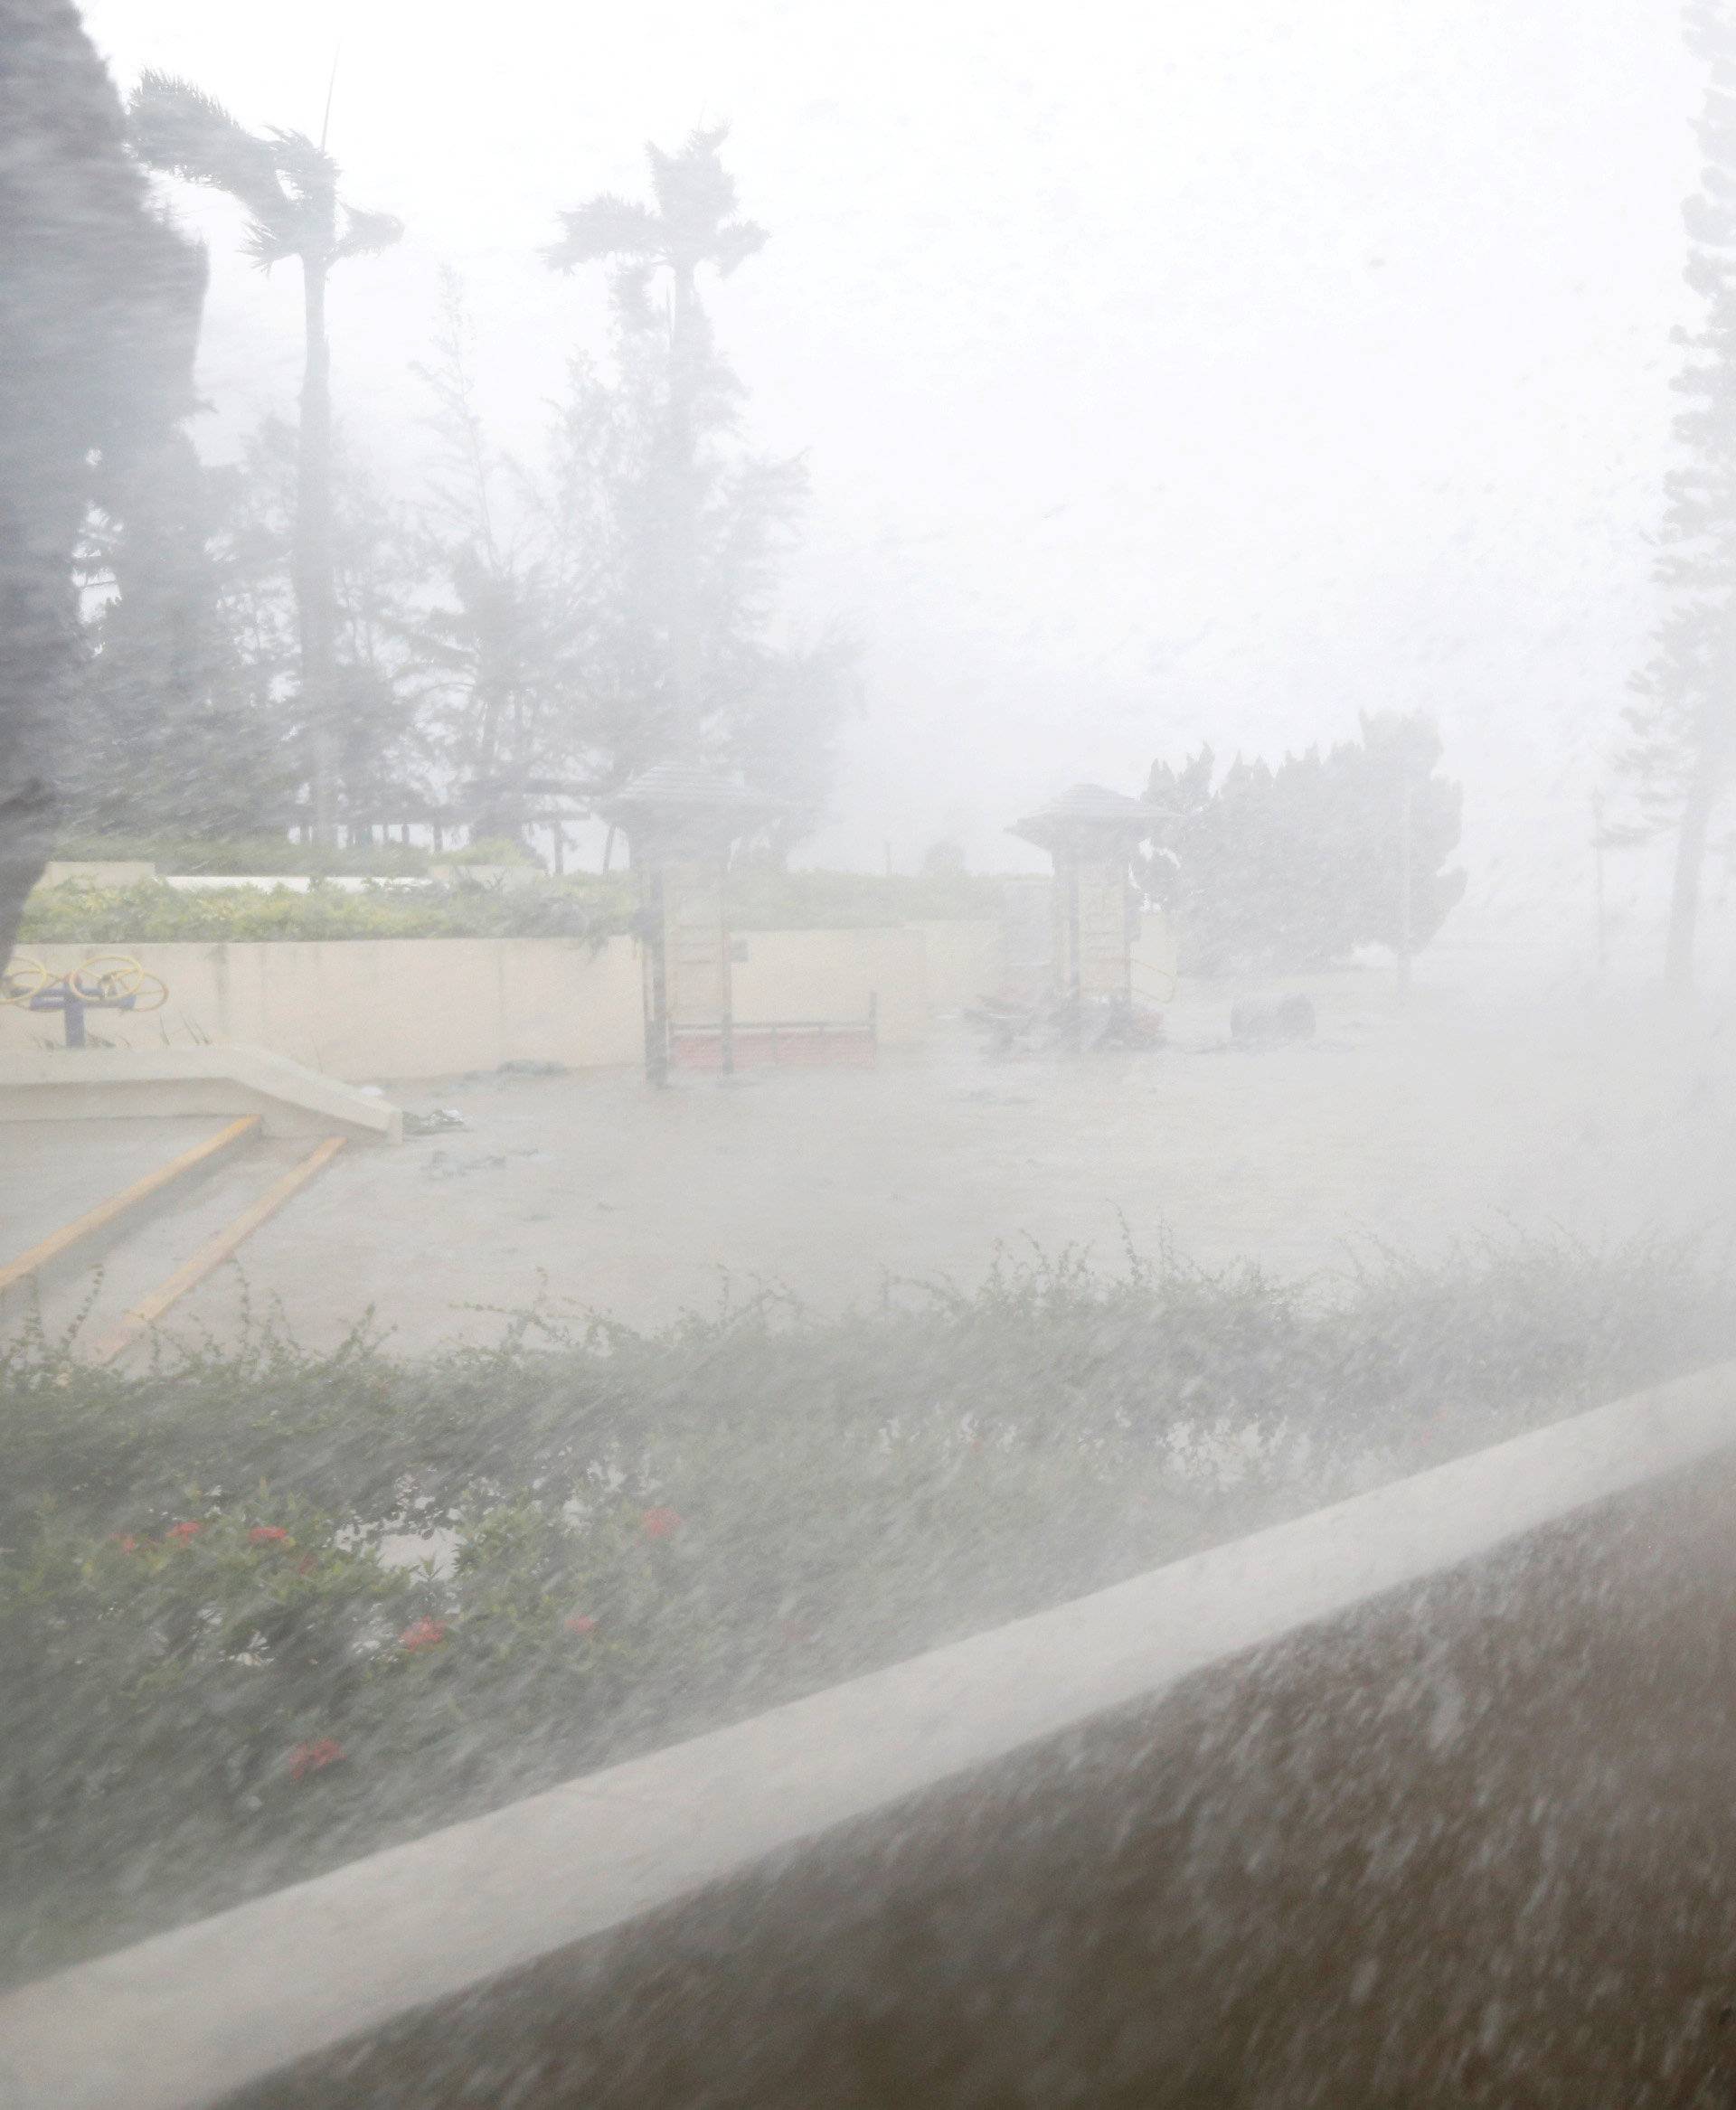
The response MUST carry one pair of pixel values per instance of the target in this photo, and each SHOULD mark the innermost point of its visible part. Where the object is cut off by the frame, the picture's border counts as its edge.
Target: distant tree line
(1296, 866)
(279, 643)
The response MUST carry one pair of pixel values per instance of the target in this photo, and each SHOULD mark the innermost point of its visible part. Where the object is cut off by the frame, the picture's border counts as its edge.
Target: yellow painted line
(108, 1214)
(217, 1249)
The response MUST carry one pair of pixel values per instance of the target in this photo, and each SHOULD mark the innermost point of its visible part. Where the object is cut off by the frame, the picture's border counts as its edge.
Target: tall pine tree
(1683, 719)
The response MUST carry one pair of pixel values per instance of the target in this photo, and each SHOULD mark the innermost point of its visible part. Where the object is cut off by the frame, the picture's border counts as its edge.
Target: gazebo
(1092, 833)
(681, 820)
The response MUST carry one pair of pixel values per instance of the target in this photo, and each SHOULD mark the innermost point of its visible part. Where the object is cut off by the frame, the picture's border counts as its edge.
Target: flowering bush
(261, 1611)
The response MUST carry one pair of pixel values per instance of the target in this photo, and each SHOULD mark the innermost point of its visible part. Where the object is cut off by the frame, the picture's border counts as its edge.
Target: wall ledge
(189, 2016)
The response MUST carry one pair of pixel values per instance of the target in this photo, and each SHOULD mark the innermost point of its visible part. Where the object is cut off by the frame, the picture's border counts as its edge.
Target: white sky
(1202, 369)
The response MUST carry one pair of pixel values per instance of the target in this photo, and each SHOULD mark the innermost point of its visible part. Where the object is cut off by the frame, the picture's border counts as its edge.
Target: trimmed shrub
(588, 906)
(590, 911)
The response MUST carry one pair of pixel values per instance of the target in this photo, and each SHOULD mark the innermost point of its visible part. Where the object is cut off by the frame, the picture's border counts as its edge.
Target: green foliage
(176, 713)
(227, 1665)
(588, 908)
(667, 532)
(1297, 866)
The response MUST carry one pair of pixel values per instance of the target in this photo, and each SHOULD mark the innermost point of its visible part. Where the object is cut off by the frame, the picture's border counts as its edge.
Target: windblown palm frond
(694, 222)
(365, 234)
(179, 128)
(735, 243)
(605, 227)
(696, 202)
(307, 169)
(274, 241)
(287, 182)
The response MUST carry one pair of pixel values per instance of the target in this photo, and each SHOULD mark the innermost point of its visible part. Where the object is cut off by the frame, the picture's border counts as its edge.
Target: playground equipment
(111, 981)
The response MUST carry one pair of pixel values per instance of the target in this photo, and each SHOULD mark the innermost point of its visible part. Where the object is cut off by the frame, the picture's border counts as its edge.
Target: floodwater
(1468, 1112)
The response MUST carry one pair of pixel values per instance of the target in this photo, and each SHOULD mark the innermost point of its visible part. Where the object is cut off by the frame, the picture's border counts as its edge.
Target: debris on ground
(1271, 1022)
(517, 1066)
(435, 1123)
(1015, 1026)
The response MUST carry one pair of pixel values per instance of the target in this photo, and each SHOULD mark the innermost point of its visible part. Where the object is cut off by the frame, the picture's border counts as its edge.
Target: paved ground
(54, 1171)
(1447, 1121)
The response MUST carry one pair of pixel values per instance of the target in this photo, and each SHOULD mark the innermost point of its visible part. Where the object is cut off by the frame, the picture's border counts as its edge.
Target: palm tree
(692, 225)
(289, 185)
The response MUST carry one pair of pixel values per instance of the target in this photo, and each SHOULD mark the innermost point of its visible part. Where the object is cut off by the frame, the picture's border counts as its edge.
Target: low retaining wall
(1421, 1800)
(102, 1084)
(407, 1008)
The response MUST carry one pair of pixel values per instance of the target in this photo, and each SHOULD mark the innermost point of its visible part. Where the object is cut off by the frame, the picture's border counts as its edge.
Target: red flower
(184, 1531)
(268, 1535)
(424, 1633)
(125, 1542)
(313, 1758)
(660, 1524)
(581, 1623)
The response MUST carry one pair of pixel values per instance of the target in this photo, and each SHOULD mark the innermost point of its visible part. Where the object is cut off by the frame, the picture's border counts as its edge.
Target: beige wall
(429, 1007)
(965, 962)
(375, 1008)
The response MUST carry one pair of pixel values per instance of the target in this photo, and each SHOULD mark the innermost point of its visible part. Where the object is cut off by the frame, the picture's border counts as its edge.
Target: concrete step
(95, 1298)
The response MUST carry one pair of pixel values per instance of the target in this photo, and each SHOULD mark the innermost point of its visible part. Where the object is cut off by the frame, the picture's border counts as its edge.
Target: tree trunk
(38, 649)
(681, 526)
(316, 595)
(1684, 890)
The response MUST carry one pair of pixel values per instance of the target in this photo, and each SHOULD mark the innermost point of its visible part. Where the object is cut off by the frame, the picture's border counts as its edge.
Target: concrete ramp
(104, 1083)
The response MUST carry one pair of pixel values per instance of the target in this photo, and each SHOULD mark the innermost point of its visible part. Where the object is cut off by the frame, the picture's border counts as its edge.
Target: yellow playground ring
(109, 982)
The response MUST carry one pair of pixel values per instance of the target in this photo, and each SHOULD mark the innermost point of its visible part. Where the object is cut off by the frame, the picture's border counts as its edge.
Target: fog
(1174, 374)
(866, 899)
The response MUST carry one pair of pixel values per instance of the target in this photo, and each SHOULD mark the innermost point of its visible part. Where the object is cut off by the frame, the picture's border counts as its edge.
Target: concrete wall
(407, 1008)
(375, 1008)
(965, 961)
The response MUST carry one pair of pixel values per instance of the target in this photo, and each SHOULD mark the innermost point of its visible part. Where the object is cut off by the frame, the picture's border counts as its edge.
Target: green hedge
(588, 906)
(215, 1683)
(589, 910)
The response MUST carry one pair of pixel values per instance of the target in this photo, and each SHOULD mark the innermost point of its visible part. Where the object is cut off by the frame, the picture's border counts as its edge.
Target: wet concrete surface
(1452, 1120)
